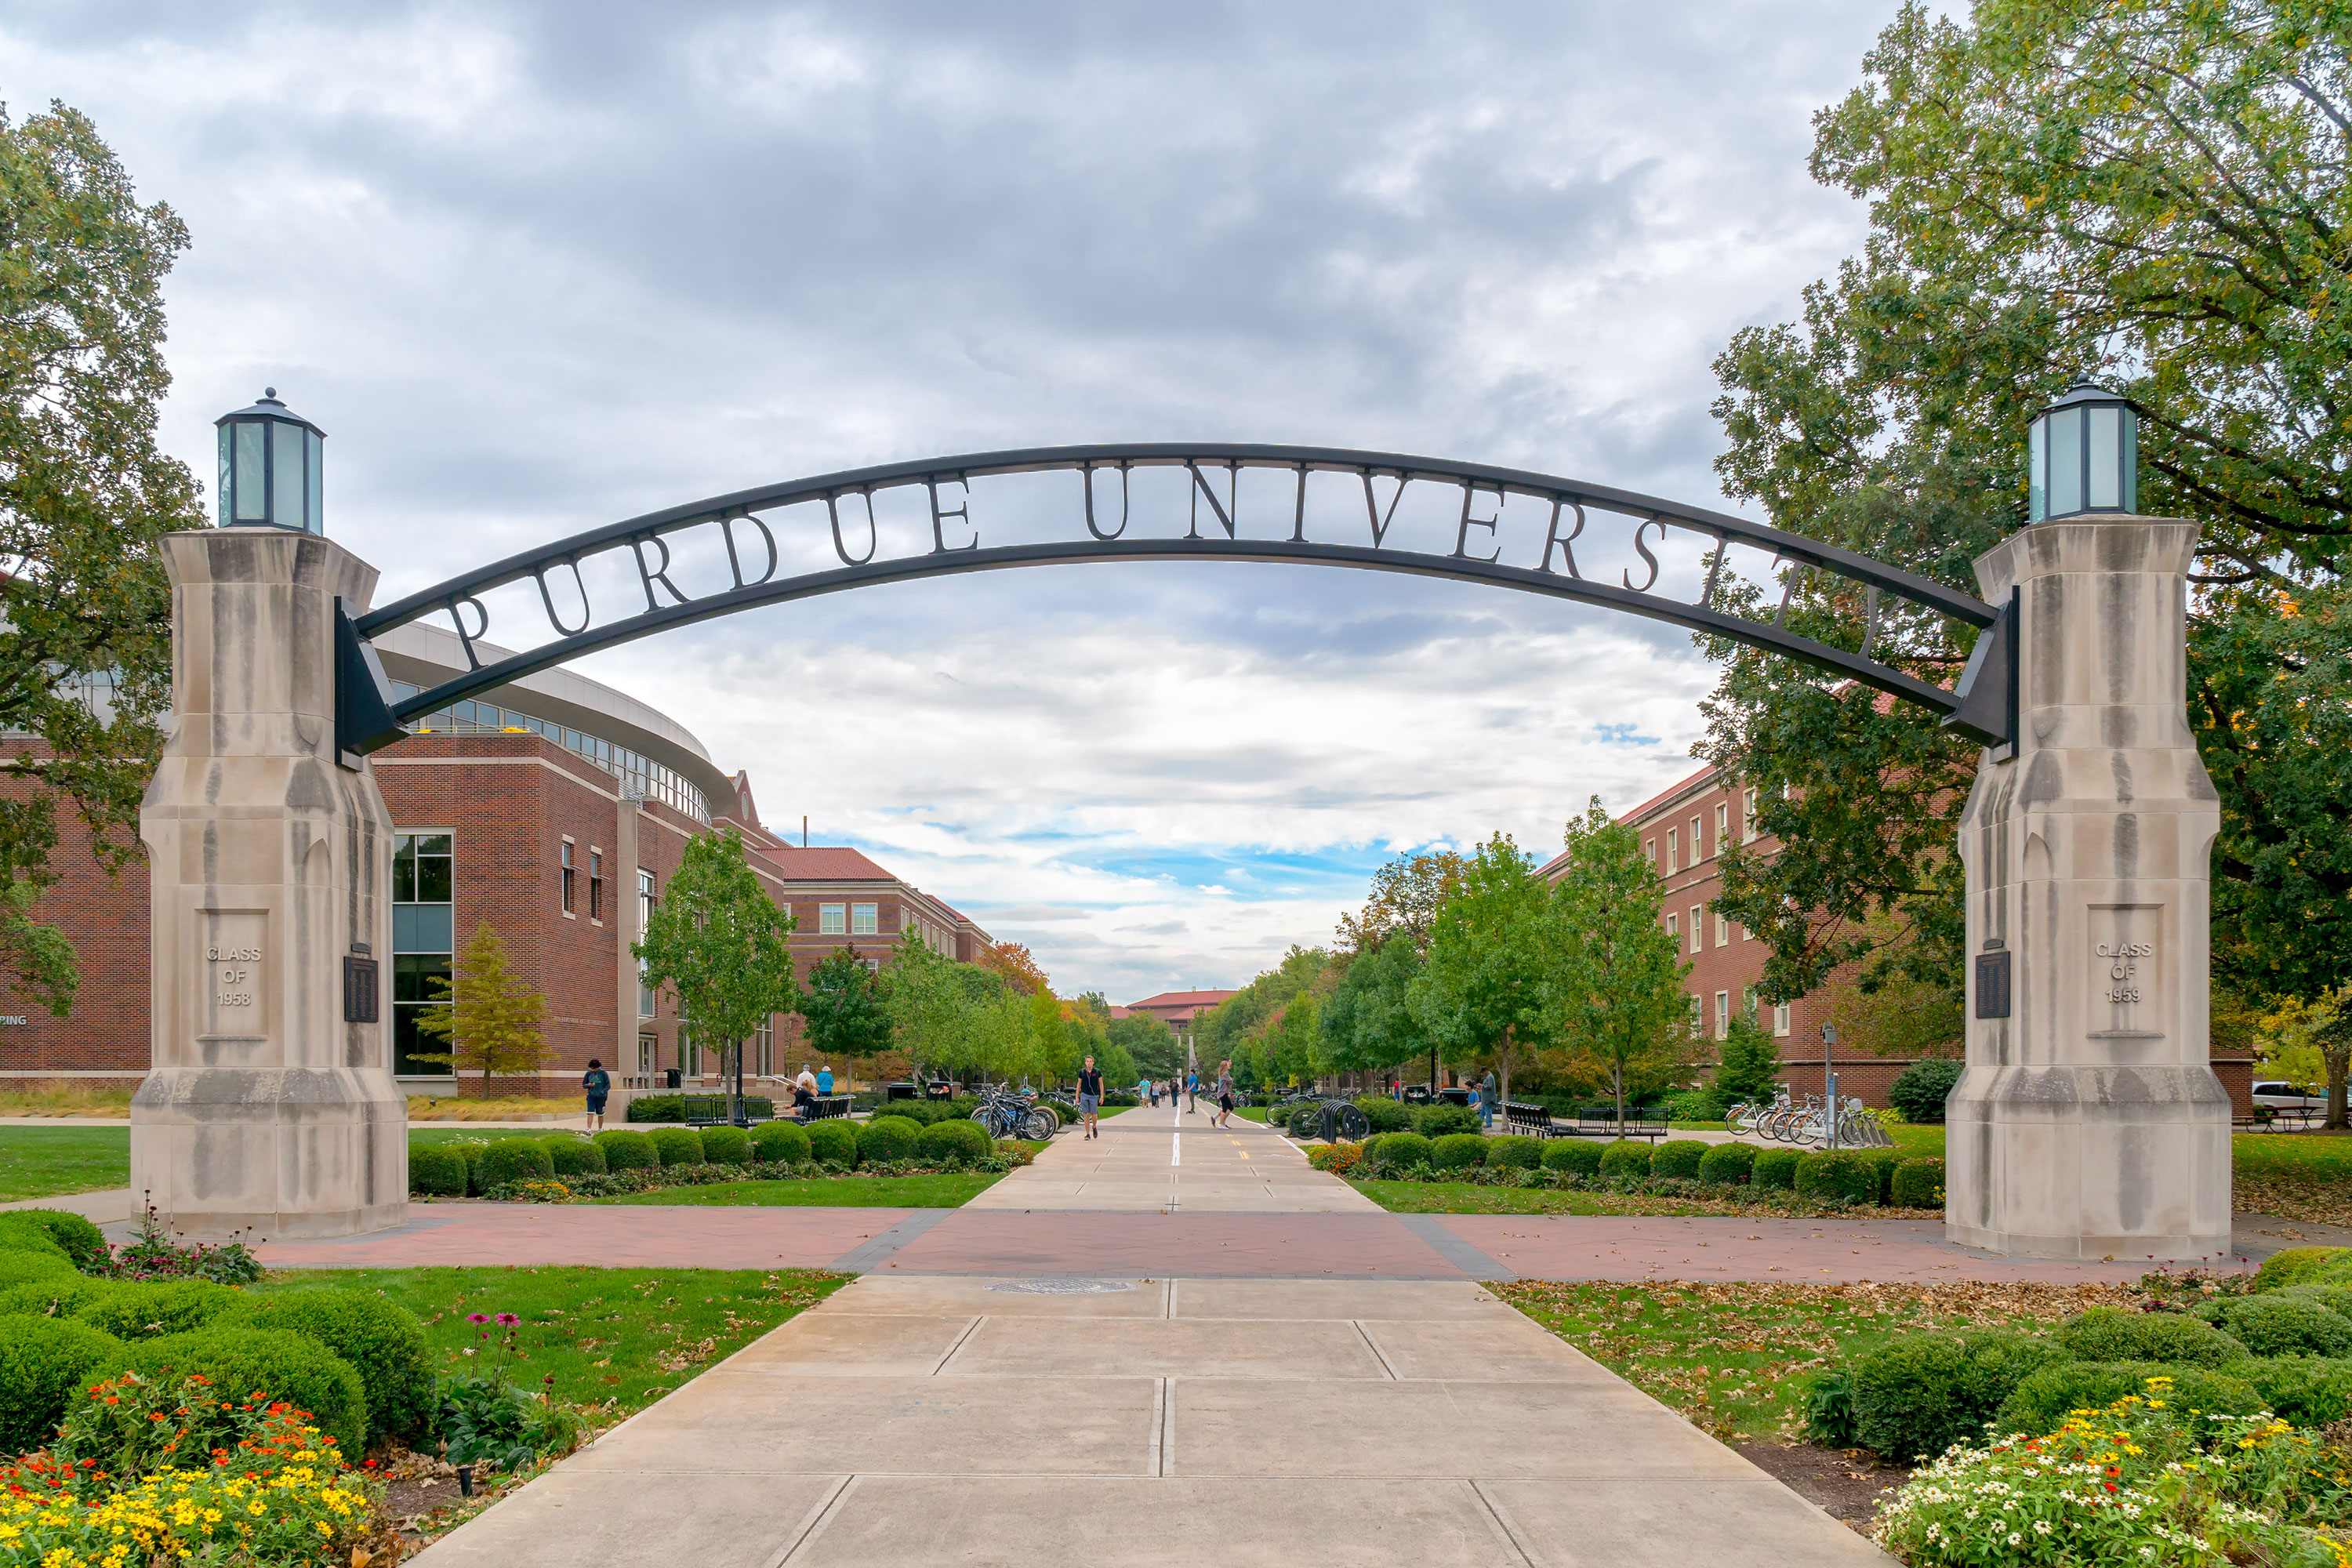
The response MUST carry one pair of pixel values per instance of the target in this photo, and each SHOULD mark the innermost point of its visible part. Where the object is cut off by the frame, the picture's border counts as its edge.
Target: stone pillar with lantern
(270, 1109)
(2088, 1122)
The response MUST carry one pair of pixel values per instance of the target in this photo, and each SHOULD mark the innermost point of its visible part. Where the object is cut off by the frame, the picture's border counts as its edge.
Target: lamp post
(1828, 1075)
(2084, 455)
(270, 469)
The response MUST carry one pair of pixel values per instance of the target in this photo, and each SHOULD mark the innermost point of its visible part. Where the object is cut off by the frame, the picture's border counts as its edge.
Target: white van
(2286, 1097)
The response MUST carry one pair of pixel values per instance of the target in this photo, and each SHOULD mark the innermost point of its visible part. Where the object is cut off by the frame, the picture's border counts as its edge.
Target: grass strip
(42, 1162)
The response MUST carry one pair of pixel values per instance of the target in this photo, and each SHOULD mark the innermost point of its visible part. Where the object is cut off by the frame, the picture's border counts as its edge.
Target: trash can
(673, 1078)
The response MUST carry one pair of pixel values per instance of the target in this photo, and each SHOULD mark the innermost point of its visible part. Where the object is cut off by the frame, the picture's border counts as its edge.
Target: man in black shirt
(1091, 1094)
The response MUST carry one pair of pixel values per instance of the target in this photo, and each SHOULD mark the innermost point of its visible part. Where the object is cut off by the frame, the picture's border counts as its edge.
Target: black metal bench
(1533, 1121)
(1641, 1121)
(705, 1110)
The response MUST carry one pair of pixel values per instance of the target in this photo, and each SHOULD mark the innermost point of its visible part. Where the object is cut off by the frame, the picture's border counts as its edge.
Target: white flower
(2041, 1527)
(2015, 1538)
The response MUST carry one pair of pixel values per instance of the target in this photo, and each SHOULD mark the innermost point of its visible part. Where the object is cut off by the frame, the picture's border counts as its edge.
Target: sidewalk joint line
(1166, 1426)
(816, 1519)
(1358, 1325)
(1502, 1522)
(1158, 1467)
(970, 1329)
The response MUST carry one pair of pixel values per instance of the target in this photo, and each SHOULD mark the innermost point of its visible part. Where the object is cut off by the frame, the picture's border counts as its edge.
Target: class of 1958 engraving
(2124, 977)
(234, 955)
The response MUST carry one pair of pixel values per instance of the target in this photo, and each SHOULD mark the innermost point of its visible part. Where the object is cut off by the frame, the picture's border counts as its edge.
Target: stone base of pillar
(271, 1154)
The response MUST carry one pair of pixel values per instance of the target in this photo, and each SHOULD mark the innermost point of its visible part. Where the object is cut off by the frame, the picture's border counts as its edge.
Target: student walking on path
(1486, 1100)
(1224, 1094)
(596, 1083)
(1090, 1095)
(1192, 1090)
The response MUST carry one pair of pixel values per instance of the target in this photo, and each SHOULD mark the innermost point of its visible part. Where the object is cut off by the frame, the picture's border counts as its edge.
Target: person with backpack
(1090, 1096)
(596, 1083)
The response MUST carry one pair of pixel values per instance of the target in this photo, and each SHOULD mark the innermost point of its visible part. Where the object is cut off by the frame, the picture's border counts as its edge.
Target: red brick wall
(105, 918)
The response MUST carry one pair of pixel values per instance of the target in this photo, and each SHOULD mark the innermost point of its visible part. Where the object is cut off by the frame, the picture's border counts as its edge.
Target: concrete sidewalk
(1117, 1423)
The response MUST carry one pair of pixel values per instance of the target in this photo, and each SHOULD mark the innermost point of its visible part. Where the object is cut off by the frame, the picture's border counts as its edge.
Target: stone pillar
(2089, 1123)
(265, 1112)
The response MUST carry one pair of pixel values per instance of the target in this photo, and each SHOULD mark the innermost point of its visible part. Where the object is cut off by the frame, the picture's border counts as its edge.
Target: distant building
(1177, 1009)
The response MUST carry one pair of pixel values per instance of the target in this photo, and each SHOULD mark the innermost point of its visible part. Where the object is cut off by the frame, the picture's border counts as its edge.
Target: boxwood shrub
(436, 1171)
(382, 1340)
(1918, 1184)
(2280, 1325)
(1386, 1115)
(1727, 1162)
(657, 1108)
(1457, 1150)
(889, 1137)
(2043, 1402)
(1402, 1150)
(677, 1145)
(1884, 1163)
(626, 1150)
(2291, 1266)
(835, 1139)
(945, 1141)
(1577, 1156)
(2113, 1334)
(21, 1233)
(575, 1157)
(513, 1160)
(83, 1242)
(1514, 1152)
(243, 1361)
(1627, 1159)
(2309, 1391)
(24, 1267)
(1920, 1089)
(1923, 1392)
(725, 1146)
(1841, 1175)
(61, 1297)
(43, 1362)
(1775, 1171)
(142, 1309)
(780, 1142)
(2336, 1299)
(1434, 1122)
(1679, 1158)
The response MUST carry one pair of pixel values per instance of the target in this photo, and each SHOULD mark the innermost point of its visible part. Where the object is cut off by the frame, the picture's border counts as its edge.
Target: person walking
(824, 1080)
(596, 1083)
(1486, 1100)
(1192, 1090)
(1090, 1096)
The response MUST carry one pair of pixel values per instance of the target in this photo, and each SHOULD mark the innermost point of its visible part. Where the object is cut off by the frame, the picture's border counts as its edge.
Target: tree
(1369, 1024)
(1405, 897)
(1486, 990)
(1000, 1039)
(1617, 990)
(931, 1000)
(493, 1020)
(1748, 1063)
(1148, 1042)
(2310, 1041)
(843, 1007)
(84, 639)
(1012, 961)
(1225, 1029)
(2150, 192)
(718, 941)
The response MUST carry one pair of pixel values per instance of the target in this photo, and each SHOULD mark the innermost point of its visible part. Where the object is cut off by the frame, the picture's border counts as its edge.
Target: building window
(1780, 1017)
(1698, 841)
(1650, 852)
(764, 1051)
(832, 920)
(423, 940)
(863, 920)
(649, 1050)
(645, 918)
(1722, 931)
(1722, 1014)
(1747, 817)
(1674, 850)
(1674, 928)
(1697, 931)
(1744, 934)
(595, 884)
(568, 874)
(689, 1054)
(1722, 825)
(1698, 1015)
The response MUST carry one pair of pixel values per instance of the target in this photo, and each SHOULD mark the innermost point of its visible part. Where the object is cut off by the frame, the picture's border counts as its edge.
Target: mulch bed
(1846, 1484)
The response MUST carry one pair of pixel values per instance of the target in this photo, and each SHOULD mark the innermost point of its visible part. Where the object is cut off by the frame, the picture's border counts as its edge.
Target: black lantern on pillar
(269, 468)
(2084, 454)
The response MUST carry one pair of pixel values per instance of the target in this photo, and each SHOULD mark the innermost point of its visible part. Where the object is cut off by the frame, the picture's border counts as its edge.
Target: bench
(1533, 1121)
(1641, 1121)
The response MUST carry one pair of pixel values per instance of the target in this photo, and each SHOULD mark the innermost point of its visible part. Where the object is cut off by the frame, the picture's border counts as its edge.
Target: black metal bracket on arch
(1976, 707)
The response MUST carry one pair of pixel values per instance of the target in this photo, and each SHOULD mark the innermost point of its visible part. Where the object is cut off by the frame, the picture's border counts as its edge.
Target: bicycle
(1008, 1114)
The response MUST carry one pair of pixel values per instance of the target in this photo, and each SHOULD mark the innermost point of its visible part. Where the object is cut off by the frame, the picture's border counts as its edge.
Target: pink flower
(477, 1316)
(507, 1319)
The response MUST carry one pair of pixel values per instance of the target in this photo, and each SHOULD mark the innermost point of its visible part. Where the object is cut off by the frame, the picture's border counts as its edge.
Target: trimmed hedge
(2336, 1299)
(43, 1361)
(1679, 1158)
(834, 1139)
(380, 1339)
(1727, 1162)
(2309, 1391)
(1514, 1152)
(1919, 1184)
(944, 1140)
(1626, 1160)
(513, 1160)
(243, 1361)
(656, 1108)
(2280, 1325)
(1578, 1156)
(780, 1142)
(1435, 1121)
(725, 1146)
(1884, 1163)
(677, 1145)
(83, 1243)
(436, 1171)
(62, 1298)
(1386, 1115)
(142, 1309)
(2113, 1334)
(1923, 1392)
(575, 1156)
(24, 1267)
(2290, 1267)
(626, 1150)
(22, 1233)
(889, 1137)
(1402, 1151)
(1920, 1089)
(2044, 1401)
(1457, 1150)
(1775, 1170)
(1839, 1174)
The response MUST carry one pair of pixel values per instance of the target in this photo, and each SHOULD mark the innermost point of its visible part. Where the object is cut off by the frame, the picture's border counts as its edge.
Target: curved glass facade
(636, 772)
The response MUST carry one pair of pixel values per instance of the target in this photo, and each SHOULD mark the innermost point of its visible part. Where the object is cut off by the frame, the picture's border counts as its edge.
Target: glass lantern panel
(2107, 457)
(2131, 461)
(314, 514)
(252, 487)
(228, 472)
(2066, 462)
(2037, 470)
(286, 474)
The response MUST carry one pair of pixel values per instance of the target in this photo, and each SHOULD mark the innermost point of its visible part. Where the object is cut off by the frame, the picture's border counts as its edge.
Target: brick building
(1684, 831)
(1178, 1010)
(556, 813)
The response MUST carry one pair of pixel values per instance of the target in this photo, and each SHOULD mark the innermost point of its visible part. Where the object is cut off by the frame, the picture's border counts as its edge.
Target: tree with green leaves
(1369, 1025)
(1748, 1063)
(1617, 990)
(930, 1000)
(85, 494)
(719, 942)
(1485, 991)
(844, 1007)
(1226, 1030)
(1149, 1042)
(494, 1022)
(2151, 193)
(1401, 907)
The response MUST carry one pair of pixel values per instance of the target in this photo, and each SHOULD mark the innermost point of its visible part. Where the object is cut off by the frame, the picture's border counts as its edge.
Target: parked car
(2276, 1097)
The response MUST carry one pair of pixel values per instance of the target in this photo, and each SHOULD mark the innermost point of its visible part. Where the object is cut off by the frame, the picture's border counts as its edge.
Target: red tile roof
(1660, 799)
(827, 863)
(1182, 999)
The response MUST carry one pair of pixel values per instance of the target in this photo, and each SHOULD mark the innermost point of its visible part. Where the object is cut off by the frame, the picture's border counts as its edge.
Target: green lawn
(1734, 1358)
(1468, 1197)
(42, 1162)
(845, 1192)
(617, 1339)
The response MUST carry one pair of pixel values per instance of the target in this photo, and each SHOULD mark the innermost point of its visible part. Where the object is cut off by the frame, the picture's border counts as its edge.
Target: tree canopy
(494, 1023)
(1617, 992)
(1486, 991)
(718, 941)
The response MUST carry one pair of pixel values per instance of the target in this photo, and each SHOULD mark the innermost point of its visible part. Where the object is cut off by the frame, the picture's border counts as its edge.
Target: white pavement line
(812, 1522)
(1176, 1148)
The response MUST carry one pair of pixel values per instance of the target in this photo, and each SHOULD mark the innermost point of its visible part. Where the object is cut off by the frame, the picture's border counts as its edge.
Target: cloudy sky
(538, 267)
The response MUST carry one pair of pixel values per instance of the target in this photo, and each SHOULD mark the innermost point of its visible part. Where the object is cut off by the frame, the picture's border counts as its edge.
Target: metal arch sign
(1983, 705)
